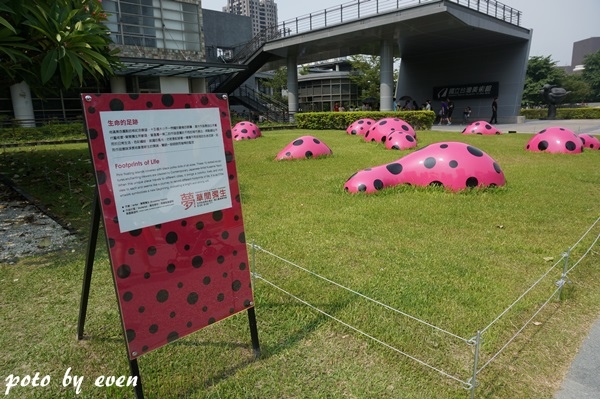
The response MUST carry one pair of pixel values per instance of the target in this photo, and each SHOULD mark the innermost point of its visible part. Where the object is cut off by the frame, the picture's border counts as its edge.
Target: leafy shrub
(563, 113)
(419, 120)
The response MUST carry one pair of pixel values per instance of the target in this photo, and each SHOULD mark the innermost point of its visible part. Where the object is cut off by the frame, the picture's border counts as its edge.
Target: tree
(591, 74)
(366, 74)
(278, 82)
(540, 71)
(579, 89)
(54, 43)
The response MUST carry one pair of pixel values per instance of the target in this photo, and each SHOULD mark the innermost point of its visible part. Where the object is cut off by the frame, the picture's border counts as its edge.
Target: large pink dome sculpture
(245, 131)
(360, 126)
(304, 147)
(453, 165)
(481, 127)
(556, 140)
(383, 127)
(589, 141)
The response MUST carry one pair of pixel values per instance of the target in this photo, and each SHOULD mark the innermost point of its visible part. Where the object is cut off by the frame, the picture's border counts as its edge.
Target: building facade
(263, 13)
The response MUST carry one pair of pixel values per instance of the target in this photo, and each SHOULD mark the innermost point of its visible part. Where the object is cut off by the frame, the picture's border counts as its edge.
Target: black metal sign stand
(85, 292)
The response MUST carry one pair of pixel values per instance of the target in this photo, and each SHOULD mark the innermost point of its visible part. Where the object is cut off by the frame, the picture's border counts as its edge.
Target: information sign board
(170, 202)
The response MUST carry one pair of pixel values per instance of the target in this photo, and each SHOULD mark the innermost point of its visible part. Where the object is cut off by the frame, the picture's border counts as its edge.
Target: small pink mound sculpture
(304, 147)
(245, 131)
(360, 126)
(383, 127)
(555, 140)
(399, 140)
(454, 165)
(481, 127)
(589, 141)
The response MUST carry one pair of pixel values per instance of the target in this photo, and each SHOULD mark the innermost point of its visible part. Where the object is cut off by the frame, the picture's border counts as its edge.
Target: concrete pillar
(199, 85)
(118, 84)
(292, 86)
(22, 104)
(386, 85)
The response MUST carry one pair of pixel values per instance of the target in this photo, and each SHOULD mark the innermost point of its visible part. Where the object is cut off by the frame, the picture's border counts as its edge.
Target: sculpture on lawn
(553, 96)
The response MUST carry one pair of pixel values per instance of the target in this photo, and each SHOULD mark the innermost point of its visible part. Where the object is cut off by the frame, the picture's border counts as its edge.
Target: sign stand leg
(89, 263)
(135, 372)
(254, 332)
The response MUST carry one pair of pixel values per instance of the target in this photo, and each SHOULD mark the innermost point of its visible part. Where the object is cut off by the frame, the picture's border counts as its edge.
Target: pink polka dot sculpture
(400, 140)
(245, 131)
(555, 140)
(454, 165)
(589, 141)
(481, 127)
(304, 147)
(383, 127)
(360, 126)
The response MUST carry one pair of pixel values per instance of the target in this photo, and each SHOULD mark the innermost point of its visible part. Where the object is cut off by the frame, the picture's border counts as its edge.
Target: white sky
(556, 24)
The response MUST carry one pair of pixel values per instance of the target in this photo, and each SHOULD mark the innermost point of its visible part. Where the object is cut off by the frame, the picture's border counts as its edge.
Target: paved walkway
(533, 126)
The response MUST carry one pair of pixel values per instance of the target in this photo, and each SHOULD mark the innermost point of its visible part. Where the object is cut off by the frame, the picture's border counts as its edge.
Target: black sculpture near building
(553, 96)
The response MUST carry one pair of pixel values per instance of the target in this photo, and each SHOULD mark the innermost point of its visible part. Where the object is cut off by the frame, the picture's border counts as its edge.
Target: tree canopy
(54, 43)
(591, 74)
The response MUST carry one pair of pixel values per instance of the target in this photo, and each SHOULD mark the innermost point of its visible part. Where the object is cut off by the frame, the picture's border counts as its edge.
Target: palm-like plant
(55, 40)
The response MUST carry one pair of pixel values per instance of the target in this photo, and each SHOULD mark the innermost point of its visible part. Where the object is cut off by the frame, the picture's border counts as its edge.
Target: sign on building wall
(171, 210)
(465, 91)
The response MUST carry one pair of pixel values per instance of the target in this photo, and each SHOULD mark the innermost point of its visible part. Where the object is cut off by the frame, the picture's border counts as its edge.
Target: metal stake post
(563, 277)
(475, 364)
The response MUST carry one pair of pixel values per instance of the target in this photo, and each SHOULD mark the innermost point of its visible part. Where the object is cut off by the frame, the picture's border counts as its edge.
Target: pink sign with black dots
(170, 201)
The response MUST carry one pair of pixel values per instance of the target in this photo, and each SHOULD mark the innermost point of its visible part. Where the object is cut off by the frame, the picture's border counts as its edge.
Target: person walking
(450, 110)
(494, 118)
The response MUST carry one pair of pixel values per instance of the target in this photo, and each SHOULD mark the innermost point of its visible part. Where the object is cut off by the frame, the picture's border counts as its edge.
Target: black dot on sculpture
(146, 275)
(220, 259)
(472, 182)
(474, 151)
(436, 183)
(123, 271)
(394, 168)
(362, 187)
(442, 146)
(453, 164)
(189, 324)
(162, 296)
(170, 268)
(542, 145)
(569, 145)
(151, 251)
(200, 225)
(298, 142)
(130, 335)
(242, 266)
(429, 162)
(167, 100)
(220, 297)
(316, 141)
(128, 296)
(116, 105)
(236, 285)
(197, 261)
(378, 184)
(308, 154)
(409, 138)
(172, 315)
(542, 131)
(171, 237)
(206, 280)
(153, 329)
(497, 168)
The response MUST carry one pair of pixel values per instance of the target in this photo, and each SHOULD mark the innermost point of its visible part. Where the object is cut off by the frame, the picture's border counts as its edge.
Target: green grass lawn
(455, 260)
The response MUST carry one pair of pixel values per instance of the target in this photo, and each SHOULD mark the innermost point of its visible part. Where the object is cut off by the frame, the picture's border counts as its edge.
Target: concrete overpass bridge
(469, 50)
